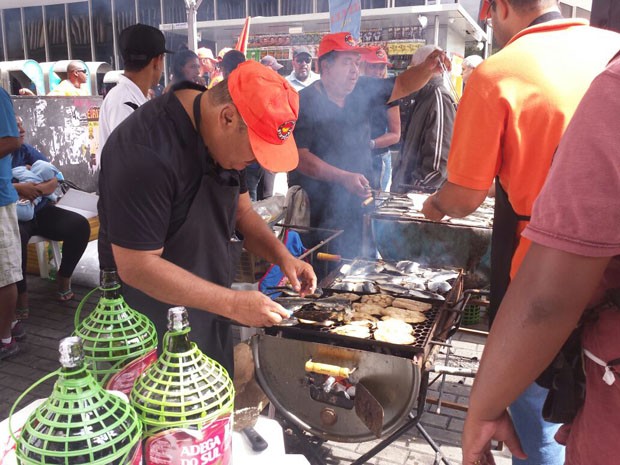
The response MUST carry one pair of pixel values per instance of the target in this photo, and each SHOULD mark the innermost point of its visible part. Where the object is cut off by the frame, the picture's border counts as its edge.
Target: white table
(243, 454)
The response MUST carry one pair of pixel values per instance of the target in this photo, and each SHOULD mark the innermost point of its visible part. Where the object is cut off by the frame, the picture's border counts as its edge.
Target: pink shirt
(578, 211)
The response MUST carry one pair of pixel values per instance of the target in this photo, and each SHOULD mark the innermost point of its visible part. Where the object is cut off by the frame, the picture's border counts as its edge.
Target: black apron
(207, 246)
(505, 225)
(503, 246)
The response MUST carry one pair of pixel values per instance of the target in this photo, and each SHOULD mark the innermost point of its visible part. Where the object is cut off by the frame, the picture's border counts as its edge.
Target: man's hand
(28, 190)
(356, 184)
(255, 309)
(434, 61)
(430, 210)
(477, 435)
(300, 274)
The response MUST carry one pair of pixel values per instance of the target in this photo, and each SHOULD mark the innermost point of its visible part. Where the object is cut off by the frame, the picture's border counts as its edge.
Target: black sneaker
(8, 350)
(18, 332)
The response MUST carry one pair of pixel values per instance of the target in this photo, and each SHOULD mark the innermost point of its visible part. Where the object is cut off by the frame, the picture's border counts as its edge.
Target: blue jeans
(382, 170)
(536, 434)
(386, 171)
(253, 175)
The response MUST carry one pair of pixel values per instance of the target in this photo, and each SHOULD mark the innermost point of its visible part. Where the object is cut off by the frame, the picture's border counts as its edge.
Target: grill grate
(423, 333)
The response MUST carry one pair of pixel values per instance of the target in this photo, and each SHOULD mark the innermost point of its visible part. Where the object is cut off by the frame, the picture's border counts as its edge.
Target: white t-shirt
(114, 109)
(298, 85)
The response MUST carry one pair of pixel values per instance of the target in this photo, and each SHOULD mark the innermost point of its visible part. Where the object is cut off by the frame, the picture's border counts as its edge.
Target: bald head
(74, 66)
(76, 73)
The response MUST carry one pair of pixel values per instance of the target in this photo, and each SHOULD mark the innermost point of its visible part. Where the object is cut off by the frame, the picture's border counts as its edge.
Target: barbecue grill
(400, 231)
(308, 371)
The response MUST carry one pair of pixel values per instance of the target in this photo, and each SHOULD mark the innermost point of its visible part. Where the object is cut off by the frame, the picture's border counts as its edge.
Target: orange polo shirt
(517, 105)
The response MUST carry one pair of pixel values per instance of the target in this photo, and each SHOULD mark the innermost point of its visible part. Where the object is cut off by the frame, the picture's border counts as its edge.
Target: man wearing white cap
(208, 63)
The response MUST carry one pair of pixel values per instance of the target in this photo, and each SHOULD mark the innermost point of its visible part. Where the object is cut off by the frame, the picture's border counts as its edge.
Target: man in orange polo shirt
(514, 110)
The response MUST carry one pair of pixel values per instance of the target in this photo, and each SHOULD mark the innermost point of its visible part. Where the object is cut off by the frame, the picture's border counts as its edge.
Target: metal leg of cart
(308, 448)
(414, 421)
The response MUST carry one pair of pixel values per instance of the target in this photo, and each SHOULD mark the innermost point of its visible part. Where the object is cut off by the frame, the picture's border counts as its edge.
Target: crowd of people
(178, 173)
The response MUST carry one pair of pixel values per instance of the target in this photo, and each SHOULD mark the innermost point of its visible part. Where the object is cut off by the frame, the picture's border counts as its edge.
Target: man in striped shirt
(426, 142)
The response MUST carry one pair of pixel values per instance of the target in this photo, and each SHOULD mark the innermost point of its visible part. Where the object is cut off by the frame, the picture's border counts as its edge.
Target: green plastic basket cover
(114, 337)
(80, 423)
(182, 390)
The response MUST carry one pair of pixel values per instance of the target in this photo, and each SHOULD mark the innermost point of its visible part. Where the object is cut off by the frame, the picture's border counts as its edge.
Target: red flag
(242, 42)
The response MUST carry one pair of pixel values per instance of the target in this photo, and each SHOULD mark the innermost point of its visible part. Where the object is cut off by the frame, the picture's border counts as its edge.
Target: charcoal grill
(400, 232)
(396, 377)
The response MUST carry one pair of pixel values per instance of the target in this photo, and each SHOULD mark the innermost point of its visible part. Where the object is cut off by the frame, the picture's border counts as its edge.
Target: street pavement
(51, 320)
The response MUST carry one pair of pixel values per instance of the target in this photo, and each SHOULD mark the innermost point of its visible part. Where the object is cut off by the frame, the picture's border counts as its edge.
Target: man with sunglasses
(302, 75)
(74, 85)
(516, 106)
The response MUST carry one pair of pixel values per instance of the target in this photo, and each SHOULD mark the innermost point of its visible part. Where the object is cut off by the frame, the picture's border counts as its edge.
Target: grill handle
(328, 257)
(457, 371)
(329, 370)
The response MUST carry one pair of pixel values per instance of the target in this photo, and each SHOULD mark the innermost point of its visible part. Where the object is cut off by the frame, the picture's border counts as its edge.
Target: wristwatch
(372, 144)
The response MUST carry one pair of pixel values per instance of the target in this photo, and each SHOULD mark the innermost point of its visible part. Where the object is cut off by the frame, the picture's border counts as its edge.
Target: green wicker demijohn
(184, 390)
(80, 422)
(119, 342)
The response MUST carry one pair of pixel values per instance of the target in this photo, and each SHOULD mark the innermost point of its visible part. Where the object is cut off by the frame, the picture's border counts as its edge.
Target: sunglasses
(81, 71)
(306, 60)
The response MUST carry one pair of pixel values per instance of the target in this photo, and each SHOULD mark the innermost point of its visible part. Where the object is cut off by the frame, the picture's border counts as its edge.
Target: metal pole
(114, 34)
(137, 5)
(5, 49)
(192, 30)
(68, 32)
(436, 39)
(23, 28)
(92, 31)
(45, 35)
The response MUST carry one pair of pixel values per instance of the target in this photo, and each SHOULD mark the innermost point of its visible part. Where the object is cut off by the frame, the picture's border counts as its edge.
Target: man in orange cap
(333, 134)
(174, 208)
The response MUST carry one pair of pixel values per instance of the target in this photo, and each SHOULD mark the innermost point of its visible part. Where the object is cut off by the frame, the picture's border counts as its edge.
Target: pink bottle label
(137, 456)
(210, 446)
(124, 380)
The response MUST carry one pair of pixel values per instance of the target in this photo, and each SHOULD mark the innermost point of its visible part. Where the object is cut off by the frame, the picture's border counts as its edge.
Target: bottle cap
(71, 353)
(177, 319)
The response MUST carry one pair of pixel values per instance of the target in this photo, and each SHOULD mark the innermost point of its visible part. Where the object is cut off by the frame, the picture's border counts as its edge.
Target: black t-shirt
(339, 136)
(151, 168)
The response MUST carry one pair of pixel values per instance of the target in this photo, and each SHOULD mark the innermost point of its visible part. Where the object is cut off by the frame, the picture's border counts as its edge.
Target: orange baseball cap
(376, 55)
(485, 9)
(339, 42)
(269, 107)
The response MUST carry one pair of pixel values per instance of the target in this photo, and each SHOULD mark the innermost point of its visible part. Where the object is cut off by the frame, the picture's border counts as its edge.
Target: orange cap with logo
(376, 55)
(269, 107)
(339, 42)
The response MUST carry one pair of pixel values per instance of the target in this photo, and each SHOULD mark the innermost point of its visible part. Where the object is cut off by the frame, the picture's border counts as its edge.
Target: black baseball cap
(141, 42)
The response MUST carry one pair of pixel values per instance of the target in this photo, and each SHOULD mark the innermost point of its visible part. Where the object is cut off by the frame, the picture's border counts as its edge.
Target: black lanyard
(552, 15)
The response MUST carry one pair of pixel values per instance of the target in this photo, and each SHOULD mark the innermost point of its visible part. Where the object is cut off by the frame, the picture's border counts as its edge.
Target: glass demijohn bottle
(185, 401)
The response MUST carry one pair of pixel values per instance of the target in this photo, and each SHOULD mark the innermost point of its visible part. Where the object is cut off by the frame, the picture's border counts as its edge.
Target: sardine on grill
(439, 286)
(425, 295)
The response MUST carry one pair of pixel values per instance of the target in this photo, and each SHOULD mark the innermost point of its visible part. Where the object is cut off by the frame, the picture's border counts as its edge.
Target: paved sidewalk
(51, 320)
